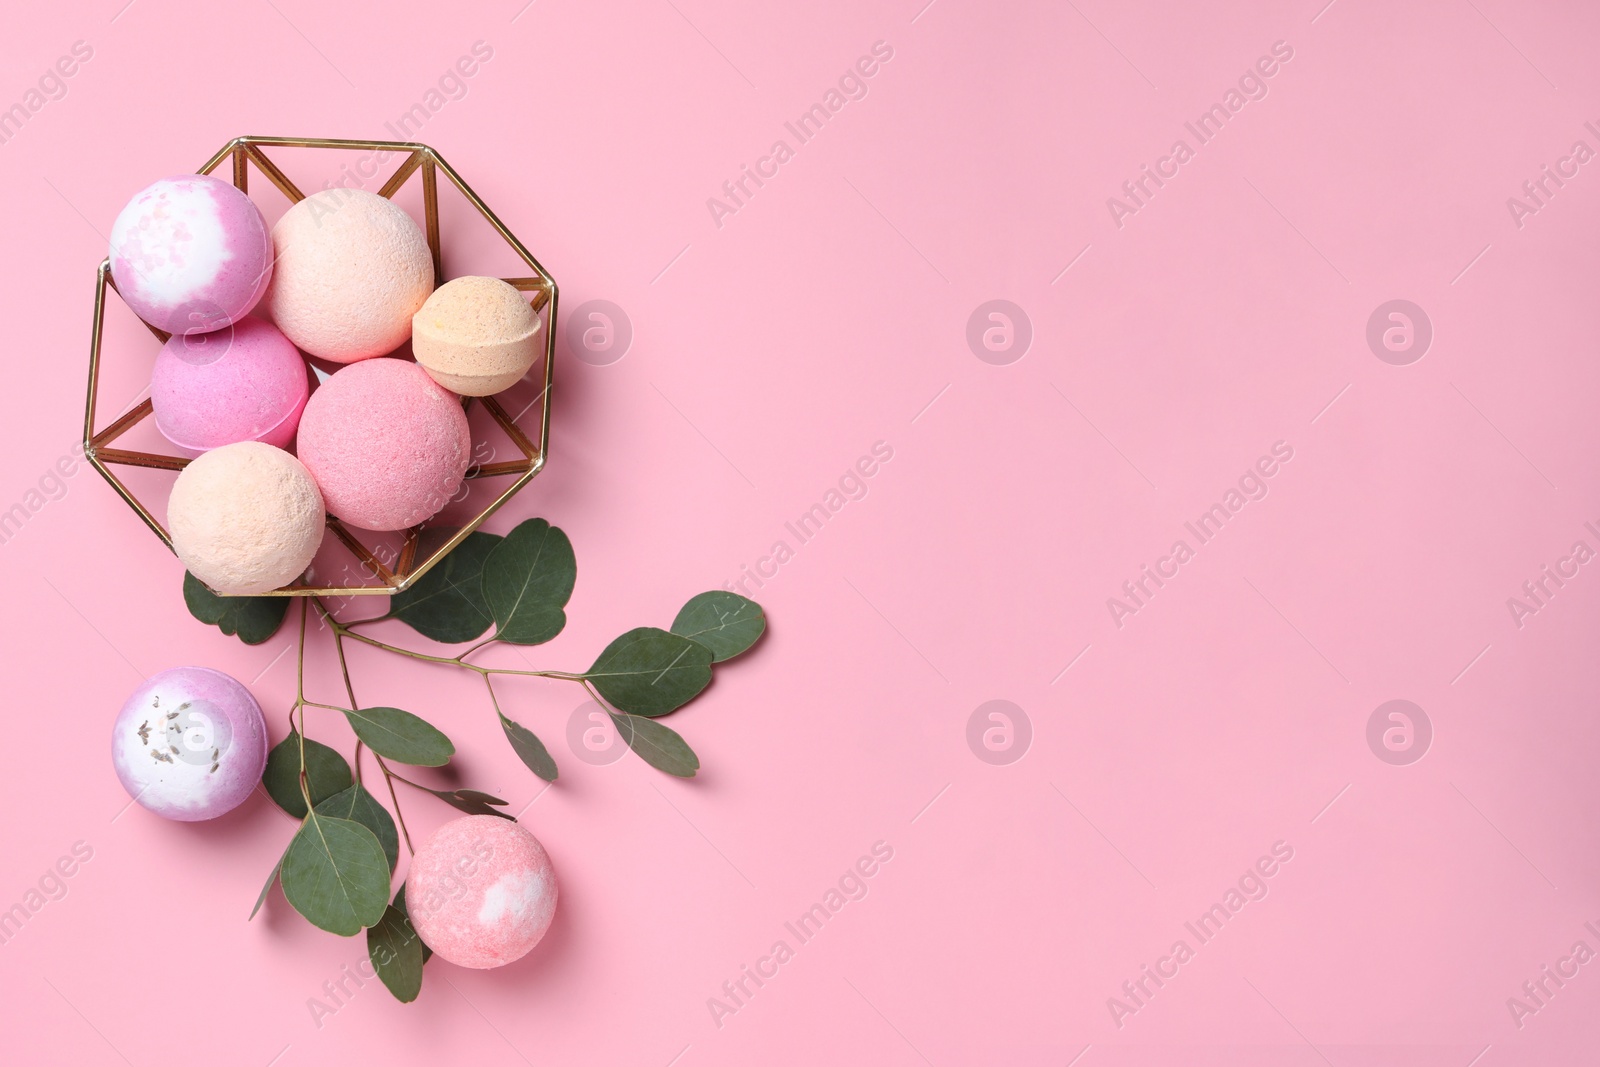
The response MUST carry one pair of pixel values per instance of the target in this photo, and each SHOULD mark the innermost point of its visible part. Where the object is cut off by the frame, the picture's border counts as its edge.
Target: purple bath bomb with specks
(191, 254)
(190, 744)
(246, 382)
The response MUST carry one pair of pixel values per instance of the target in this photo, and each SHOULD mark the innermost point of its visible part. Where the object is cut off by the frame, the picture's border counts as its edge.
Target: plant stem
(344, 630)
(299, 703)
(339, 632)
(486, 641)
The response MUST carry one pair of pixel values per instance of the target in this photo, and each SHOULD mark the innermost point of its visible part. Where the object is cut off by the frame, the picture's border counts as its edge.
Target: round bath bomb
(352, 269)
(190, 744)
(475, 336)
(245, 518)
(387, 446)
(481, 891)
(191, 254)
(243, 383)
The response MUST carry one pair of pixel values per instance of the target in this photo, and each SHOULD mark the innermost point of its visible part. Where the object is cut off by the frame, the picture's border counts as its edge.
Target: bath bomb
(475, 336)
(352, 269)
(387, 446)
(243, 383)
(191, 254)
(190, 744)
(481, 891)
(245, 518)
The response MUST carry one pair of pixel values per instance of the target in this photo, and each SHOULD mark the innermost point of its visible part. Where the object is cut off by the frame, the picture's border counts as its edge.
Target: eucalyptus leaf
(724, 622)
(336, 875)
(472, 801)
(401, 736)
(271, 879)
(447, 603)
(253, 619)
(359, 805)
(657, 745)
(487, 798)
(327, 773)
(528, 579)
(397, 952)
(651, 672)
(529, 749)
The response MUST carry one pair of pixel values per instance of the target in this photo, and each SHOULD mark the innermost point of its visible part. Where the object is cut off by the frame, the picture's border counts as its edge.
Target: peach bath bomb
(190, 744)
(243, 383)
(481, 891)
(387, 446)
(245, 518)
(191, 254)
(475, 336)
(352, 268)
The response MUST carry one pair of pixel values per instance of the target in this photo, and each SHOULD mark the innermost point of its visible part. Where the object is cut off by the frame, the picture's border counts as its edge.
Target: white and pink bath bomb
(481, 891)
(191, 254)
(245, 518)
(244, 383)
(386, 444)
(352, 268)
(190, 744)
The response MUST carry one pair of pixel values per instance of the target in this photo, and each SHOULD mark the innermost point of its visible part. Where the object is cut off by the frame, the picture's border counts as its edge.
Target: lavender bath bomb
(191, 254)
(190, 744)
(245, 518)
(243, 383)
(387, 446)
(481, 891)
(352, 269)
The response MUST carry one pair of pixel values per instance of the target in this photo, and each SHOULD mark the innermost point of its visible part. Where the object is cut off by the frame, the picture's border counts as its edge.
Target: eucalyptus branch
(388, 776)
(510, 590)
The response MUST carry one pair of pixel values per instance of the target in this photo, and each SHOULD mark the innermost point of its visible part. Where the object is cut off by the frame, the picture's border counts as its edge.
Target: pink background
(829, 313)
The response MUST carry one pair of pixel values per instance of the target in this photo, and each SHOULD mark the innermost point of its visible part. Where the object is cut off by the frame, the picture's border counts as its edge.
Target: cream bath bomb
(387, 445)
(245, 518)
(243, 383)
(352, 269)
(475, 336)
(191, 254)
(481, 891)
(190, 744)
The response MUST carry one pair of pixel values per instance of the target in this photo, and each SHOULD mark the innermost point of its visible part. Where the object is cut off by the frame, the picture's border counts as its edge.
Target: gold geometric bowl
(383, 567)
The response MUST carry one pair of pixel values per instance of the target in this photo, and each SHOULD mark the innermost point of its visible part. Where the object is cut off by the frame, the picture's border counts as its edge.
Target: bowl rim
(407, 569)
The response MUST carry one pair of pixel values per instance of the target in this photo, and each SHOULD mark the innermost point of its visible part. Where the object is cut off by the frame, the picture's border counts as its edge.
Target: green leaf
(253, 619)
(271, 878)
(447, 603)
(397, 952)
(657, 745)
(326, 774)
(529, 749)
(478, 794)
(724, 622)
(651, 672)
(400, 735)
(528, 580)
(472, 801)
(336, 875)
(358, 805)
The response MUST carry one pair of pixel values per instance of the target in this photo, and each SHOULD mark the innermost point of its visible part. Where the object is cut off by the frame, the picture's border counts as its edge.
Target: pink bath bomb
(387, 446)
(245, 518)
(191, 254)
(246, 382)
(481, 891)
(190, 744)
(352, 269)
